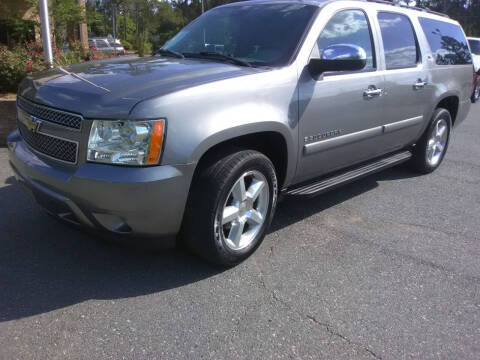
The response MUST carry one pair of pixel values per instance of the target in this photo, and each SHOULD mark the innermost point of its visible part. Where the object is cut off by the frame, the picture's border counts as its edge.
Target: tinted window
(347, 27)
(266, 34)
(399, 40)
(475, 46)
(447, 42)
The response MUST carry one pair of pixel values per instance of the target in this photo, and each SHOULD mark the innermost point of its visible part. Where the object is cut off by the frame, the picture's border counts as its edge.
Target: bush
(22, 60)
(14, 66)
(143, 46)
(127, 45)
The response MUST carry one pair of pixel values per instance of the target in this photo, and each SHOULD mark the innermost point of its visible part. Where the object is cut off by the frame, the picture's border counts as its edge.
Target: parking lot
(387, 267)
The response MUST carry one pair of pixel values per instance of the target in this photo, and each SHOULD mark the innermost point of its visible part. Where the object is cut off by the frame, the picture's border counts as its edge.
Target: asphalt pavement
(388, 267)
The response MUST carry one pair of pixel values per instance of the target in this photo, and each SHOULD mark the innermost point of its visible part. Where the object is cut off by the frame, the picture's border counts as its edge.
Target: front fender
(231, 133)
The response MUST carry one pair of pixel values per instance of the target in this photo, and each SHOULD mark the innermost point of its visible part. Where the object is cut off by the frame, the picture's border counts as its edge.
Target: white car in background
(117, 45)
(475, 47)
(107, 45)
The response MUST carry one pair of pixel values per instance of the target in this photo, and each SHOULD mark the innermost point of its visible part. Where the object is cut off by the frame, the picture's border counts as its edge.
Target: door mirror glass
(340, 57)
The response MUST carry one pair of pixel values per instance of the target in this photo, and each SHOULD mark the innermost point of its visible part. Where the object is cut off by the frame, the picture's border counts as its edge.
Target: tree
(66, 14)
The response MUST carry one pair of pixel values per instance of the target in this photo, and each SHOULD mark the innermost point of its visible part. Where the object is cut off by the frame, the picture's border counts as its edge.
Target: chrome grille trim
(59, 117)
(56, 148)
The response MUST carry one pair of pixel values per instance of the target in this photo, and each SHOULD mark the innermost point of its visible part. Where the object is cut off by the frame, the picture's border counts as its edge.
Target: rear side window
(475, 46)
(399, 41)
(447, 42)
(348, 27)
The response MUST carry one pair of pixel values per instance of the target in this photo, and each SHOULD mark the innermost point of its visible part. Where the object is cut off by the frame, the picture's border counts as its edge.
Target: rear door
(406, 81)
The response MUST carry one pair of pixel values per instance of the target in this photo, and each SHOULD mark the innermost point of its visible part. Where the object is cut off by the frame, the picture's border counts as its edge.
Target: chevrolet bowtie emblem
(34, 124)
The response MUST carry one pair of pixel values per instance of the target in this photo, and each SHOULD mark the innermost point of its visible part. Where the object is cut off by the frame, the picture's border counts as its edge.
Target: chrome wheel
(245, 210)
(437, 143)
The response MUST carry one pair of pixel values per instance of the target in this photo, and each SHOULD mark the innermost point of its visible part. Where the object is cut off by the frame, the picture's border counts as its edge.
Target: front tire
(230, 208)
(429, 152)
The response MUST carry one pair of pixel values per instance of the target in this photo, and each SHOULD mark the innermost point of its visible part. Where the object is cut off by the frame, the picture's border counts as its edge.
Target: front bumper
(144, 202)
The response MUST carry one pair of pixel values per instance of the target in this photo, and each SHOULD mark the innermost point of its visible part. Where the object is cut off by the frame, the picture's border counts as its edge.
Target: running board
(325, 184)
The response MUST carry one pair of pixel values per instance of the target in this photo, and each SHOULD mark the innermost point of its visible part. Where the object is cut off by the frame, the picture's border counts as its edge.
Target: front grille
(49, 114)
(56, 148)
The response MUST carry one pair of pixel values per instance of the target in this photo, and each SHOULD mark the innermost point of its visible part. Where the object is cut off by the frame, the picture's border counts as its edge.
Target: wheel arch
(278, 145)
(450, 102)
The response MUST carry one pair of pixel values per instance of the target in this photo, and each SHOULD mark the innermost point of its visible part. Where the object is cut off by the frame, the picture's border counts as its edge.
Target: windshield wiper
(176, 54)
(218, 56)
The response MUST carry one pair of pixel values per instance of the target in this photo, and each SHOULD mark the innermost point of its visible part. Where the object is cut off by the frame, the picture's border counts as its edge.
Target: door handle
(372, 92)
(420, 84)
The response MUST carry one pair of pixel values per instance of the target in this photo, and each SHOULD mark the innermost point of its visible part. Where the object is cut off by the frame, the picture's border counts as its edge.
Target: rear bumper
(145, 202)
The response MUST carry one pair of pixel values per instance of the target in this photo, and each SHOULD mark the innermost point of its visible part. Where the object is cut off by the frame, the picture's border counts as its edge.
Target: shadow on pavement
(45, 265)
(294, 209)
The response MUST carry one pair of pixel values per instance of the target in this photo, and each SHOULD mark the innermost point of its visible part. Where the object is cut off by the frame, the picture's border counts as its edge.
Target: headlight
(126, 142)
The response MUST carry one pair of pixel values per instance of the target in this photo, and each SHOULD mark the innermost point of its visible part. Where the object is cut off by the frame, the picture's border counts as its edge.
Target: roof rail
(408, 7)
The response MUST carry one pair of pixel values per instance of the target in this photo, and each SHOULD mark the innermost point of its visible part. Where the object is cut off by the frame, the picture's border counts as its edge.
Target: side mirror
(341, 57)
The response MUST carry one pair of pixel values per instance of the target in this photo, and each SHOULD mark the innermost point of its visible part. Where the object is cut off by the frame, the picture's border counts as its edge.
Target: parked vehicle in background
(105, 46)
(476, 87)
(200, 140)
(475, 48)
(117, 45)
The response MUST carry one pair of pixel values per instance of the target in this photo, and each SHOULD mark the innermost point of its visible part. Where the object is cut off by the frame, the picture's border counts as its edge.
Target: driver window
(347, 27)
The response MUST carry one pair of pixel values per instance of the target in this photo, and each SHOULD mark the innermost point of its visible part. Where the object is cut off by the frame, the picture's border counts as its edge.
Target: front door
(340, 114)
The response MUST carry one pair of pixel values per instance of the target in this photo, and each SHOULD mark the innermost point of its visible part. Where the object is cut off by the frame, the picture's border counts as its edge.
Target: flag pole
(45, 21)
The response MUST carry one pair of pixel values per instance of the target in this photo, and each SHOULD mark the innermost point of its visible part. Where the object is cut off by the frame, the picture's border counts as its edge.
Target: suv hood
(109, 89)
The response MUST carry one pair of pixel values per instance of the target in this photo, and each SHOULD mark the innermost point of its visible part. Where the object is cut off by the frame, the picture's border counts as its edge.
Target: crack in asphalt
(395, 253)
(388, 251)
(328, 327)
(336, 333)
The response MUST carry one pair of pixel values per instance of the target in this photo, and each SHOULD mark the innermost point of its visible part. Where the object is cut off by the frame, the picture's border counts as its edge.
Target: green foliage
(20, 30)
(126, 29)
(13, 68)
(67, 11)
(66, 14)
(95, 20)
(143, 47)
(127, 45)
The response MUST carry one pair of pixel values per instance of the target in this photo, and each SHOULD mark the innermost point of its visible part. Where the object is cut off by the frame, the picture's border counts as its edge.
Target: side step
(325, 184)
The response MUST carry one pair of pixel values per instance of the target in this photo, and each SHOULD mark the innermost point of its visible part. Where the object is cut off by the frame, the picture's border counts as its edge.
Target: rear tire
(429, 152)
(231, 205)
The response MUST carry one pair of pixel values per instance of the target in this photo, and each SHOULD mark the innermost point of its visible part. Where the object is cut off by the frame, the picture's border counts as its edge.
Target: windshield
(475, 46)
(263, 35)
(102, 44)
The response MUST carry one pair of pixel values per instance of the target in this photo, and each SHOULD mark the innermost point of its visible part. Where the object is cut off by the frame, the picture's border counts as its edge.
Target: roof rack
(408, 7)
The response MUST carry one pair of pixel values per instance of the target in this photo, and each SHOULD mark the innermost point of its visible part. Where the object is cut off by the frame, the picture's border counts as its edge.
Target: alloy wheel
(437, 143)
(245, 210)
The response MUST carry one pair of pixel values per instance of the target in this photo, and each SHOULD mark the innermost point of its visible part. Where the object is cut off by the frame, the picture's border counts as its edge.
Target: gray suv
(251, 101)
